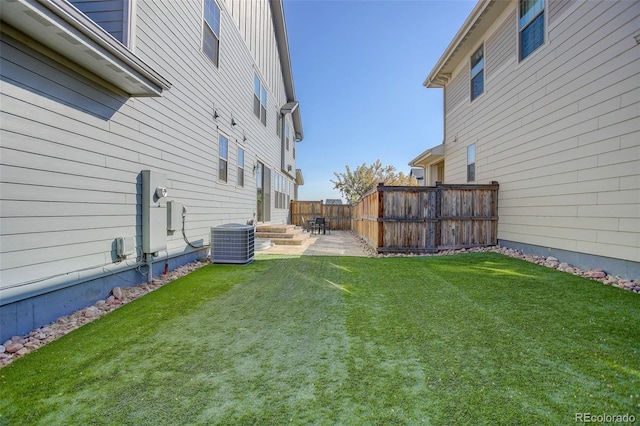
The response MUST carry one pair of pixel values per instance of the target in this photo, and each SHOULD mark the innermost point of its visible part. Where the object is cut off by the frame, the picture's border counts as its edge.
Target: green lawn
(465, 339)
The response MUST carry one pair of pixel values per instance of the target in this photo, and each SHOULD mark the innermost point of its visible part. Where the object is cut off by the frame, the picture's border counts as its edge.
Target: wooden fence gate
(339, 215)
(428, 219)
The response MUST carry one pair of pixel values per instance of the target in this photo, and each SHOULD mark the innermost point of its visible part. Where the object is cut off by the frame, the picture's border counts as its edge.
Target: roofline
(280, 27)
(435, 152)
(434, 79)
(73, 37)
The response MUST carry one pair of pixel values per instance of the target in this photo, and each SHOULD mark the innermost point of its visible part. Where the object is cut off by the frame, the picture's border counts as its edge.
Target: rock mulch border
(19, 346)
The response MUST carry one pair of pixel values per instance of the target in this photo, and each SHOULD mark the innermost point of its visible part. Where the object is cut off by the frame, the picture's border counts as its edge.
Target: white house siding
(109, 14)
(72, 152)
(560, 131)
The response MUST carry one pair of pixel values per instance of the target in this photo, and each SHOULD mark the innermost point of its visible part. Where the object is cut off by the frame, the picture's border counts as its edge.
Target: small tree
(354, 185)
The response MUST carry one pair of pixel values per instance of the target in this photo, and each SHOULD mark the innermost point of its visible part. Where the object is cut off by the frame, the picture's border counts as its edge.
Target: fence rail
(428, 219)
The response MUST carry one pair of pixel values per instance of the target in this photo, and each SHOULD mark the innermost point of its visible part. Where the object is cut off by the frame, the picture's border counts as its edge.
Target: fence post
(380, 216)
(438, 240)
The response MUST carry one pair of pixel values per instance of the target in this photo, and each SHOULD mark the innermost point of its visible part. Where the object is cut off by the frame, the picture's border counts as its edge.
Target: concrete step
(298, 240)
(282, 234)
(275, 228)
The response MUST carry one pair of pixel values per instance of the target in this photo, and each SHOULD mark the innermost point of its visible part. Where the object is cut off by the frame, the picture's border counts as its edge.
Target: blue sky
(358, 67)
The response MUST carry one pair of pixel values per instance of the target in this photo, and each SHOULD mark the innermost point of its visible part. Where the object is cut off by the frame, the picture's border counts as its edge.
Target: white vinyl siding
(456, 91)
(72, 151)
(500, 48)
(111, 15)
(561, 134)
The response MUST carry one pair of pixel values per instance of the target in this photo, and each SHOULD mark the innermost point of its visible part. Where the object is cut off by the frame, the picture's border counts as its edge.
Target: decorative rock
(599, 273)
(552, 259)
(91, 312)
(63, 325)
(14, 347)
(117, 293)
(31, 346)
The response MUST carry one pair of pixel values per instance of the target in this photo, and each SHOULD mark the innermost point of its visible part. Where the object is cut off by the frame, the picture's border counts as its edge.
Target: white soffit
(59, 26)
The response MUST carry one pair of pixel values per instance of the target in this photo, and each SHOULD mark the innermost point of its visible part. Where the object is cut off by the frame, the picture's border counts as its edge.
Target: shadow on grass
(468, 339)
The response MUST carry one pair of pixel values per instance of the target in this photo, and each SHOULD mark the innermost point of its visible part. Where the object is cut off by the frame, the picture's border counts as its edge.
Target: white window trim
(262, 89)
(474, 162)
(545, 9)
(244, 168)
(471, 75)
(222, 135)
(205, 23)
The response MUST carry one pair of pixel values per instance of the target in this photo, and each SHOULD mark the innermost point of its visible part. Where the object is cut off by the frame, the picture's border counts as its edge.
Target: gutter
(435, 78)
(280, 27)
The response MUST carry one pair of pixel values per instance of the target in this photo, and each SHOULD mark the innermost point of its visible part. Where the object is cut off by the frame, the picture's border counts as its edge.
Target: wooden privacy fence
(428, 218)
(339, 215)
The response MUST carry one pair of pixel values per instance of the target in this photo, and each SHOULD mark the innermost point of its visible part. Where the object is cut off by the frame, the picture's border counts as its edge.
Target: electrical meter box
(175, 211)
(154, 211)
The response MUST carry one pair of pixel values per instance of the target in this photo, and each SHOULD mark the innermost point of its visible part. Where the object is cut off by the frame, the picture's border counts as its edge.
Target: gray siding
(112, 15)
(558, 7)
(560, 131)
(72, 151)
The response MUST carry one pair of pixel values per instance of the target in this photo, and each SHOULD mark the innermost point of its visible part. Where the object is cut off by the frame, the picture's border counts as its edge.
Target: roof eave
(60, 27)
(433, 153)
(441, 72)
(280, 28)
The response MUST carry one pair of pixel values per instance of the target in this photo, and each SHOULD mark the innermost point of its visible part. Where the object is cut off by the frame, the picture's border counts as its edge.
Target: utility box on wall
(154, 211)
(175, 211)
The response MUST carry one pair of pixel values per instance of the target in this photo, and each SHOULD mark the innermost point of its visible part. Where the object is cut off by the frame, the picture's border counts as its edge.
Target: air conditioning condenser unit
(232, 243)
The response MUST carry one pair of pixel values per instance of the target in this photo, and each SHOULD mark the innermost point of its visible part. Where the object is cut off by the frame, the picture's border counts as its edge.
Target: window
(282, 188)
(223, 152)
(286, 134)
(279, 122)
(531, 26)
(477, 73)
(259, 100)
(211, 31)
(240, 166)
(471, 163)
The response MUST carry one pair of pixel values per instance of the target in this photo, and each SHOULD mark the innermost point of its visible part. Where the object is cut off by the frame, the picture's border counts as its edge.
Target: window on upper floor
(530, 26)
(471, 163)
(240, 166)
(259, 99)
(211, 31)
(287, 136)
(477, 73)
(278, 122)
(223, 158)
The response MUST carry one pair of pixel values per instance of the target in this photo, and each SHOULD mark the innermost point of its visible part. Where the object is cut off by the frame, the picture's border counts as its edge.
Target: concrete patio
(336, 243)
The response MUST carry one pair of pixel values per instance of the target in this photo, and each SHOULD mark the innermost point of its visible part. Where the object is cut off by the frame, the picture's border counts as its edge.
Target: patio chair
(321, 223)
